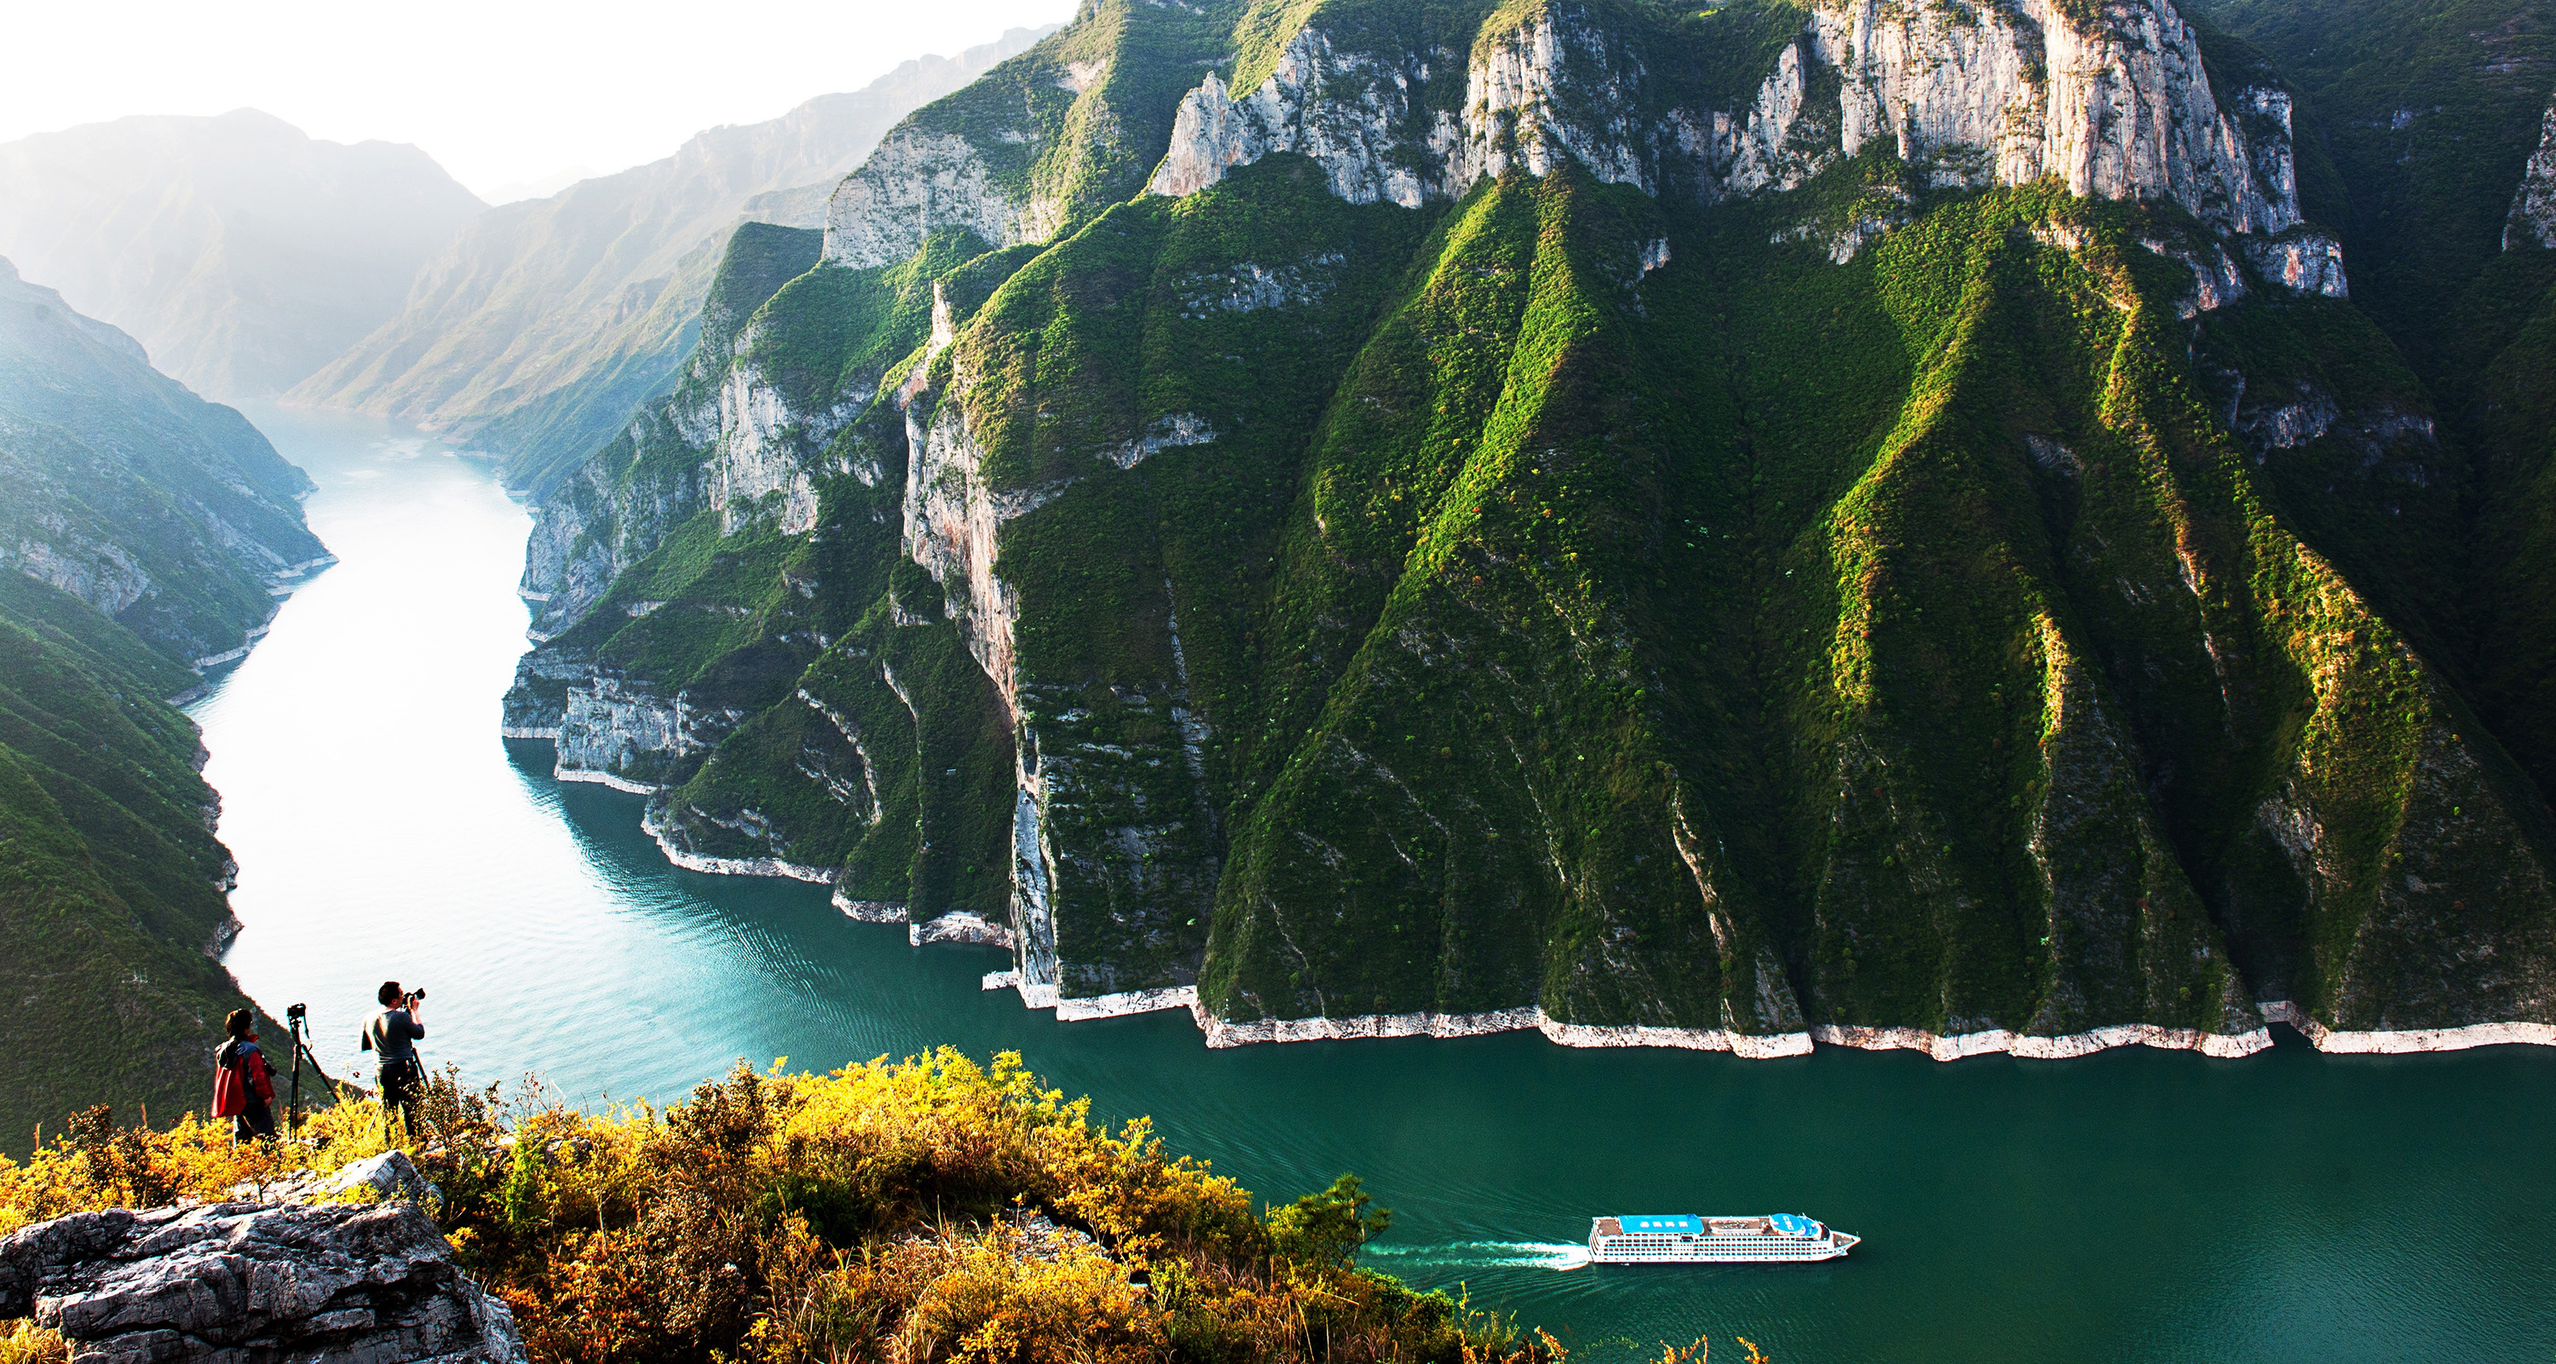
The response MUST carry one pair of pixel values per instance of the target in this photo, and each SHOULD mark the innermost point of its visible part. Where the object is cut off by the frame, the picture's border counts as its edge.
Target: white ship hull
(1783, 1238)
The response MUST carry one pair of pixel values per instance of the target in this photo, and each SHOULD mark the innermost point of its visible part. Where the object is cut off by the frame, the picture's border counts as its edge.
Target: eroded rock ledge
(369, 1283)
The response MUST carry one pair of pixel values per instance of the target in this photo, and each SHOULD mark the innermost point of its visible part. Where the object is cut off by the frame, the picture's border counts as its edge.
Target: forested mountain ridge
(166, 512)
(1835, 520)
(242, 252)
(143, 533)
(2437, 120)
(546, 322)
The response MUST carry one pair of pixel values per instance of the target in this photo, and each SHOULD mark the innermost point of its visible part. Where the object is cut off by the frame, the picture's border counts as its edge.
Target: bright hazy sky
(507, 94)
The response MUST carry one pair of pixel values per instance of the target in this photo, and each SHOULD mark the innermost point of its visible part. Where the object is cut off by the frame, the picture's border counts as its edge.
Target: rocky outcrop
(611, 509)
(373, 1283)
(600, 521)
(620, 732)
(767, 451)
(538, 701)
(2302, 261)
(2532, 224)
(2115, 104)
(920, 182)
(951, 519)
(1357, 114)
(1557, 88)
(100, 573)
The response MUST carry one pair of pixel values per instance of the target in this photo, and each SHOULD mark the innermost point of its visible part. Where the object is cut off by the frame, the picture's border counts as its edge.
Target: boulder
(377, 1179)
(374, 1179)
(250, 1283)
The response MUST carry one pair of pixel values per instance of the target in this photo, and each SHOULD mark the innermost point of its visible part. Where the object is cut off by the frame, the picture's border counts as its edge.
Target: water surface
(2128, 1207)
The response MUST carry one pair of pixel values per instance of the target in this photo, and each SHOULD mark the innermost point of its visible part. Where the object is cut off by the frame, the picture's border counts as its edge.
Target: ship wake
(1488, 1254)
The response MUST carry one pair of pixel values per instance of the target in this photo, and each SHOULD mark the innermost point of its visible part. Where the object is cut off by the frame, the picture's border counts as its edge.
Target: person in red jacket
(243, 1084)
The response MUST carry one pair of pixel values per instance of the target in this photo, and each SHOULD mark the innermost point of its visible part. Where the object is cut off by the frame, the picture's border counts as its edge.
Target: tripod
(297, 1018)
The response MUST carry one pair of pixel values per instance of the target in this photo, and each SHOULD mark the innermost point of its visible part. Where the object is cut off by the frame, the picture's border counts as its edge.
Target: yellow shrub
(862, 1215)
(27, 1343)
(984, 1303)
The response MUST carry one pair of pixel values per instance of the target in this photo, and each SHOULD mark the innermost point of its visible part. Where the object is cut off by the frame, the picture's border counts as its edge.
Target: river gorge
(2147, 1205)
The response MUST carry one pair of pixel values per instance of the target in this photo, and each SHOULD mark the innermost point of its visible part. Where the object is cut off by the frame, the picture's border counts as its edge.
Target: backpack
(230, 1081)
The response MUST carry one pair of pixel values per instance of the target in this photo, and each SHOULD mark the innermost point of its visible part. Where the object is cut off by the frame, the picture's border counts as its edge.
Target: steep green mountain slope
(142, 529)
(541, 327)
(2445, 189)
(243, 253)
(119, 486)
(1719, 528)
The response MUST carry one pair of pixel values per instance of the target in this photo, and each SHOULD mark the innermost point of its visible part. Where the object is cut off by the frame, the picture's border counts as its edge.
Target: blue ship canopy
(1794, 1224)
(1663, 1226)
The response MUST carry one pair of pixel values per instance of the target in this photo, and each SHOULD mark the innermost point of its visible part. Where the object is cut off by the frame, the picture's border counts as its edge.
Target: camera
(297, 1010)
(418, 996)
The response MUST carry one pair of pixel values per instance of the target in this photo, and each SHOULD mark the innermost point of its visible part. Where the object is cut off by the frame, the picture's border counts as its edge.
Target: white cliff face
(1553, 90)
(618, 734)
(767, 453)
(2119, 109)
(1353, 113)
(1252, 287)
(2533, 220)
(1774, 146)
(919, 183)
(1033, 885)
(582, 538)
(601, 521)
(2301, 262)
(96, 572)
(1976, 94)
(951, 521)
(762, 457)
(1382, 135)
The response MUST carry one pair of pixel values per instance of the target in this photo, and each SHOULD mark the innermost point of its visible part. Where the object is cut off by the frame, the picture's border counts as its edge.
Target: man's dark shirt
(395, 1034)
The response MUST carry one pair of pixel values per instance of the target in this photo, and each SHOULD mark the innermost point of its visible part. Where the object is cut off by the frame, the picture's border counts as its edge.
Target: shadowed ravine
(2150, 1206)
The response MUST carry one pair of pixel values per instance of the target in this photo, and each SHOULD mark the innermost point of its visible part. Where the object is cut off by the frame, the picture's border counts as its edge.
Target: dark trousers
(258, 1121)
(403, 1081)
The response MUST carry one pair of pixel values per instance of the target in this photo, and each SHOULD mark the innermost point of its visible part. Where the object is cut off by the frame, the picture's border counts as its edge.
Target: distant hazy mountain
(549, 320)
(142, 531)
(243, 253)
(120, 487)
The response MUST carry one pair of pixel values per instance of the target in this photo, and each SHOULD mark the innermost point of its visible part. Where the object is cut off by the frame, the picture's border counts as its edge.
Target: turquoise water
(2132, 1206)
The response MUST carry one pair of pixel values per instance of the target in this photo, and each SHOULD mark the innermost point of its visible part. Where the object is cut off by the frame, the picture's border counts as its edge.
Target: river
(2134, 1206)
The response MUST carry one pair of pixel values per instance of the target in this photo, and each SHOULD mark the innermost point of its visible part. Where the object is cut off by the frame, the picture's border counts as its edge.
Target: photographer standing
(392, 1036)
(243, 1083)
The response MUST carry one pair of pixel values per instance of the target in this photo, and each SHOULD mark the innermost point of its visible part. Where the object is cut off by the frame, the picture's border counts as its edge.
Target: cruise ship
(1685, 1239)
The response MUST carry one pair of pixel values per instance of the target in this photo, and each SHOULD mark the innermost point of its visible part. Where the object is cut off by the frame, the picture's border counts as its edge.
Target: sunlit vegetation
(930, 1209)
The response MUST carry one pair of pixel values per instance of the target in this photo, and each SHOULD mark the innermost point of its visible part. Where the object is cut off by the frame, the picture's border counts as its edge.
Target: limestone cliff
(2112, 101)
(2533, 217)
